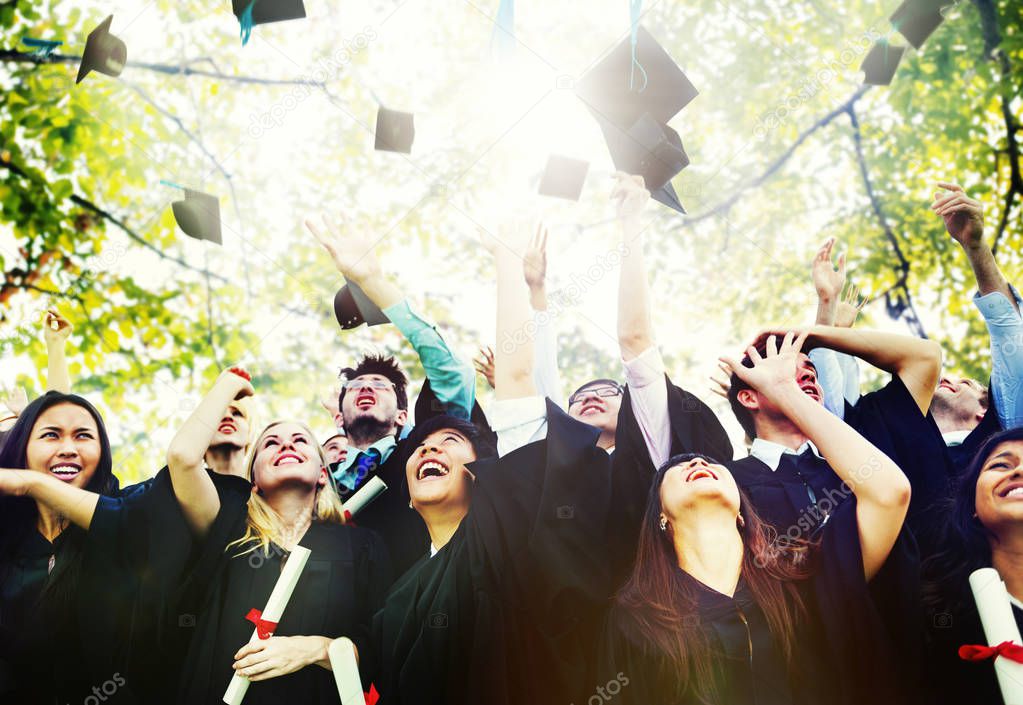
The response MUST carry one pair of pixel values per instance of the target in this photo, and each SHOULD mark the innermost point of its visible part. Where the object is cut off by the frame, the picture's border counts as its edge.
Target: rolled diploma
(999, 625)
(373, 488)
(346, 671)
(273, 611)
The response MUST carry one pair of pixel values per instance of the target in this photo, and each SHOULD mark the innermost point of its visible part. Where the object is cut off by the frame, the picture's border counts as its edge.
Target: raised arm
(513, 359)
(882, 490)
(545, 342)
(76, 505)
(452, 380)
(916, 361)
(193, 486)
(56, 332)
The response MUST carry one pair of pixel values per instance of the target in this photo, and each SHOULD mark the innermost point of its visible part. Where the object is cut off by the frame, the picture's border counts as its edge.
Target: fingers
(797, 345)
(488, 353)
(729, 364)
(824, 253)
(251, 648)
(948, 186)
(754, 355)
(841, 263)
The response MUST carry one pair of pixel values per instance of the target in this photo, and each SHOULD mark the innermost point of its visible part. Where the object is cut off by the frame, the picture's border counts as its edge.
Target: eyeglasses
(606, 391)
(356, 384)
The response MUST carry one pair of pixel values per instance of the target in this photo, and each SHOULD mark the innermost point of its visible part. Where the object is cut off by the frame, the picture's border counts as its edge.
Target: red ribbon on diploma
(979, 652)
(372, 696)
(264, 629)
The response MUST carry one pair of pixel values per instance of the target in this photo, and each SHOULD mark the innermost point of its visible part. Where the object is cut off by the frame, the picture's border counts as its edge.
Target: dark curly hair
(383, 365)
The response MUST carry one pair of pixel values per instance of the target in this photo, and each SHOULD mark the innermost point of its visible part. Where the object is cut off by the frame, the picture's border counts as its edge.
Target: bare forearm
(57, 376)
(538, 297)
(381, 290)
(635, 330)
(513, 357)
(189, 445)
(77, 505)
(827, 309)
(985, 269)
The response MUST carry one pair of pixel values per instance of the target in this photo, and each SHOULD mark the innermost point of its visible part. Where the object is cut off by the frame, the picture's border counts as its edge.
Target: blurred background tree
(787, 149)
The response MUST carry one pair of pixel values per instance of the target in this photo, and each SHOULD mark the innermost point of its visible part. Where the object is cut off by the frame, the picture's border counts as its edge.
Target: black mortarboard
(266, 11)
(652, 150)
(103, 52)
(662, 93)
(395, 131)
(199, 215)
(881, 62)
(917, 19)
(352, 308)
(563, 177)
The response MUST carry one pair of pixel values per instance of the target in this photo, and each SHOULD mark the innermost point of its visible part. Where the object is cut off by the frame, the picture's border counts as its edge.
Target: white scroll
(273, 612)
(346, 671)
(999, 626)
(373, 488)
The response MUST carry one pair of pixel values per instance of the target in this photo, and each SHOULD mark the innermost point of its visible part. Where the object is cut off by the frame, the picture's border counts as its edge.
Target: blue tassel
(171, 184)
(246, 22)
(635, 8)
(41, 47)
(502, 38)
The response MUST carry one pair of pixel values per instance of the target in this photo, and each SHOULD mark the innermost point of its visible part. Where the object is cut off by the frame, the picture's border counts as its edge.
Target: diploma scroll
(272, 613)
(346, 671)
(373, 488)
(996, 616)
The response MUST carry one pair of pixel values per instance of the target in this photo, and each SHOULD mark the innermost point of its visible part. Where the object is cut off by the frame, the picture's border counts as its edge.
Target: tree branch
(898, 305)
(13, 55)
(992, 40)
(726, 205)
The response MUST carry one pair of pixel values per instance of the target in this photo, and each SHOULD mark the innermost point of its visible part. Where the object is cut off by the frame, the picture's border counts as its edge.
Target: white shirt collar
(769, 452)
(433, 550)
(955, 438)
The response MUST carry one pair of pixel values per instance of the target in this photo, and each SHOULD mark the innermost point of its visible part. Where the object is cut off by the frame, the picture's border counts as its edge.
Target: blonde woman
(246, 532)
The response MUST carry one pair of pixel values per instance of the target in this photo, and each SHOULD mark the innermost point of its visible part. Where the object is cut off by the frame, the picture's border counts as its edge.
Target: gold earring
(664, 523)
(741, 521)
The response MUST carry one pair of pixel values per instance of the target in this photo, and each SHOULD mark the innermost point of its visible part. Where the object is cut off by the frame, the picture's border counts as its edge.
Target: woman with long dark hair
(59, 439)
(718, 610)
(984, 530)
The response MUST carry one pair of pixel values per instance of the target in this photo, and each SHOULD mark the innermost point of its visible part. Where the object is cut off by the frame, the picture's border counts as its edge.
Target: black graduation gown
(841, 654)
(339, 590)
(508, 610)
(390, 515)
(959, 682)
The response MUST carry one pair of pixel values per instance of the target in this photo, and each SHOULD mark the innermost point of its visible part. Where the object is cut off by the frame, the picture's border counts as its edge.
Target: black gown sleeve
(373, 564)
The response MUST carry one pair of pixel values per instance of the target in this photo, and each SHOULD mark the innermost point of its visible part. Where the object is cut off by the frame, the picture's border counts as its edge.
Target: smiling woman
(58, 436)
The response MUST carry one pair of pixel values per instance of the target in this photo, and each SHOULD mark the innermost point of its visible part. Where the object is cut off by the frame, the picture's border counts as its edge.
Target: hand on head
(777, 366)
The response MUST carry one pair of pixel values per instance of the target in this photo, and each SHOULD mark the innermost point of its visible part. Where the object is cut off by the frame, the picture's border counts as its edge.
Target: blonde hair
(263, 523)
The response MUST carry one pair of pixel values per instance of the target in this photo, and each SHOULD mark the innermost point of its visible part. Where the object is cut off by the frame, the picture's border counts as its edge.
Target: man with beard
(374, 402)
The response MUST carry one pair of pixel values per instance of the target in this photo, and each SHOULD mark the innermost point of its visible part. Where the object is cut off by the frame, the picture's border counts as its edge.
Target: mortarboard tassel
(41, 47)
(503, 36)
(246, 23)
(635, 7)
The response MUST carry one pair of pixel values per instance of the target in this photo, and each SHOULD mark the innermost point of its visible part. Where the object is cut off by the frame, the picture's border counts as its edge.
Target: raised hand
(777, 367)
(849, 307)
(484, 364)
(15, 401)
(352, 253)
(330, 404)
(534, 261)
(56, 328)
(828, 279)
(963, 216)
(722, 383)
(237, 379)
(629, 195)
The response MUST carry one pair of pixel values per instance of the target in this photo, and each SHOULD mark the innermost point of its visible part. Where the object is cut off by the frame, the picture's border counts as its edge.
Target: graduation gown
(508, 610)
(841, 655)
(959, 682)
(337, 594)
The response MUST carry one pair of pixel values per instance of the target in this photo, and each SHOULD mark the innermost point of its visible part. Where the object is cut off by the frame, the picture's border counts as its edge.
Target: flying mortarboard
(652, 150)
(917, 19)
(563, 177)
(198, 215)
(605, 88)
(880, 63)
(352, 308)
(395, 131)
(253, 12)
(103, 52)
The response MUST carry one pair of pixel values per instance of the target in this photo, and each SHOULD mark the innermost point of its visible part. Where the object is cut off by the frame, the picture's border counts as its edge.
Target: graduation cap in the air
(198, 215)
(880, 63)
(352, 308)
(103, 52)
(267, 11)
(917, 19)
(614, 91)
(563, 177)
(652, 150)
(395, 131)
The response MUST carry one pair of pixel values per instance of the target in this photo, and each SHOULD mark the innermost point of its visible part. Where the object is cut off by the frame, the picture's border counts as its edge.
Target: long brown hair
(658, 604)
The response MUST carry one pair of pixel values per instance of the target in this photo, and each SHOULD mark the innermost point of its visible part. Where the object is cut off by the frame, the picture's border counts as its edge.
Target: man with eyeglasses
(374, 401)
